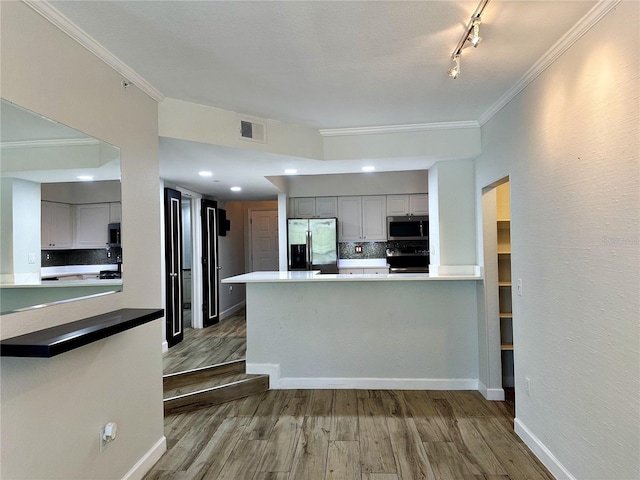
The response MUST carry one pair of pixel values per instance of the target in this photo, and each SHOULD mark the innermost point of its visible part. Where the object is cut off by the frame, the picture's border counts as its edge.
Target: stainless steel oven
(408, 260)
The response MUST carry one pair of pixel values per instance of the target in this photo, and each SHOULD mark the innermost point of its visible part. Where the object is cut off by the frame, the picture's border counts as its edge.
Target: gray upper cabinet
(315, 207)
(92, 220)
(56, 231)
(414, 204)
(362, 218)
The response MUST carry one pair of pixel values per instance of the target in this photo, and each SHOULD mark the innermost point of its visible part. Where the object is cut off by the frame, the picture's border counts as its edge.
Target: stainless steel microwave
(113, 233)
(408, 228)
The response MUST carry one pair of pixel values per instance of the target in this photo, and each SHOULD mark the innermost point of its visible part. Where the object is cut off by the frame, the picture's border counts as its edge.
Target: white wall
(20, 230)
(452, 207)
(232, 256)
(82, 192)
(379, 183)
(349, 335)
(570, 144)
(52, 409)
(199, 123)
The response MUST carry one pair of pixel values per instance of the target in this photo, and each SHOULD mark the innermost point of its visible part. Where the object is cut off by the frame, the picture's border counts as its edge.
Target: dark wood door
(210, 268)
(173, 265)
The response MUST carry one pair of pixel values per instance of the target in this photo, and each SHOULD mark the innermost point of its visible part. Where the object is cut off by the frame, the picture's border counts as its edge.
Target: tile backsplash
(370, 250)
(94, 256)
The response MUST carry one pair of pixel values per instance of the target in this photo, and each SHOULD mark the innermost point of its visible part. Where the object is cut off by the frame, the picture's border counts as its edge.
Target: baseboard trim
(492, 394)
(149, 459)
(229, 312)
(376, 383)
(271, 369)
(542, 452)
(276, 382)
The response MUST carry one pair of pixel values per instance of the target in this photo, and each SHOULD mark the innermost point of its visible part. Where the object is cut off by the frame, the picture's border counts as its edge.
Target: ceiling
(322, 64)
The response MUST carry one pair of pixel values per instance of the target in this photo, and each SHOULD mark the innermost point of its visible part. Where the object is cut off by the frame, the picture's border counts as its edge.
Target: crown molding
(54, 16)
(414, 127)
(64, 142)
(568, 39)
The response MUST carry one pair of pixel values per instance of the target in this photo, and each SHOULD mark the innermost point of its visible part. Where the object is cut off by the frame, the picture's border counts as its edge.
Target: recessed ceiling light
(368, 168)
(291, 171)
(85, 178)
(205, 173)
(236, 189)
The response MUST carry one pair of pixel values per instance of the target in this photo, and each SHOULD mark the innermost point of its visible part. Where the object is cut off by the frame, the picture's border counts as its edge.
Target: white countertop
(63, 270)
(315, 276)
(91, 282)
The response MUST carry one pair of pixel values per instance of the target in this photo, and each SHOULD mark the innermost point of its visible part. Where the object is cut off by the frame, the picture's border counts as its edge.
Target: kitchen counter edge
(316, 276)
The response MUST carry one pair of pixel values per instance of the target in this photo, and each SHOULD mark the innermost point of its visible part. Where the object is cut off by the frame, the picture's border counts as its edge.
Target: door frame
(174, 323)
(493, 353)
(212, 264)
(196, 263)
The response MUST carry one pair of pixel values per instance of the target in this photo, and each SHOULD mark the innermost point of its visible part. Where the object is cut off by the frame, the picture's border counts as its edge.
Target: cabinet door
(326, 207)
(304, 207)
(349, 219)
(374, 218)
(351, 271)
(376, 271)
(56, 225)
(91, 225)
(397, 205)
(419, 204)
(115, 212)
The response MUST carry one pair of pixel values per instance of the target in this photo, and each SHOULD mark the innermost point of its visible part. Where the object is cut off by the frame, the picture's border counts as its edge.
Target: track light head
(474, 37)
(455, 70)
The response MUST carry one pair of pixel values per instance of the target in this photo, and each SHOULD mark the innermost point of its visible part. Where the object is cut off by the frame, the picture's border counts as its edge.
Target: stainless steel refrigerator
(313, 244)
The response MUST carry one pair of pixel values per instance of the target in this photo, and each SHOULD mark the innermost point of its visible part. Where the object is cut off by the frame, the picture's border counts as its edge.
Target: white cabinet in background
(92, 220)
(55, 226)
(315, 207)
(365, 270)
(326, 207)
(349, 219)
(415, 204)
(374, 220)
(362, 218)
(115, 212)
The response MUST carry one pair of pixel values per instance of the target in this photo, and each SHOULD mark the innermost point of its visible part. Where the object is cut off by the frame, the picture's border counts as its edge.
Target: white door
(264, 240)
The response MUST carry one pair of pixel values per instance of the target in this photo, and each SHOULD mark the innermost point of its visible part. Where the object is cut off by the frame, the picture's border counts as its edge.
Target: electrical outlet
(32, 258)
(230, 289)
(527, 385)
(107, 435)
(519, 286)
(358, 248)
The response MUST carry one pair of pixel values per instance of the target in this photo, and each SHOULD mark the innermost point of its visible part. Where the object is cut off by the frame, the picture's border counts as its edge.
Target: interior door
(210, 267)
(264, 240)
(173, 265)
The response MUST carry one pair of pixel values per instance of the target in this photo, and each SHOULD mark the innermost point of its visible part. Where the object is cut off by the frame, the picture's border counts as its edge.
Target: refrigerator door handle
(309, 249)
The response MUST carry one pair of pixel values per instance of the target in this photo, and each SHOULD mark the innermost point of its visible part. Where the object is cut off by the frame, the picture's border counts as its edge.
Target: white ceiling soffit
(429, 63)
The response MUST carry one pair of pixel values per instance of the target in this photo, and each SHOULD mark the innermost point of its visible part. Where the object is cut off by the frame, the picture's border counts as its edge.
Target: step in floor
(210, 386)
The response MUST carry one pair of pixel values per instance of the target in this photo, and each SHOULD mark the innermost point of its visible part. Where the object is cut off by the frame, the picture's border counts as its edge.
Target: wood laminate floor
(348, 435)
(216, 344)
(335, 434)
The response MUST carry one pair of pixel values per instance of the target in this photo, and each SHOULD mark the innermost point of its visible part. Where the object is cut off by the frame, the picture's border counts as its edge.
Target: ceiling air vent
(256, 132)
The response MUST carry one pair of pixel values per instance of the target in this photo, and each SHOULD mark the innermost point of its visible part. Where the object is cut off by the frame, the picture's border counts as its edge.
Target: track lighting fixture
(455, 70)
(474, 38)
(471, 35)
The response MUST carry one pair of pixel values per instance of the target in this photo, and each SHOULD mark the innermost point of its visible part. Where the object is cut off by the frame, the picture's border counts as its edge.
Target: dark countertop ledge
(53, 341)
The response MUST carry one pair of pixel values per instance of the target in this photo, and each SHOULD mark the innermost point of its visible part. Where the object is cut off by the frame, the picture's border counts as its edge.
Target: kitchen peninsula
(400, 331)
